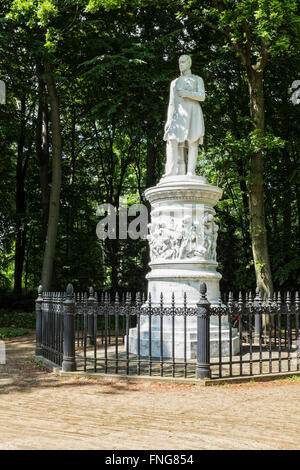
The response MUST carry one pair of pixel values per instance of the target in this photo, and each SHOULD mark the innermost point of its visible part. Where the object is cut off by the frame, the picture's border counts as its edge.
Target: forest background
(87, 93)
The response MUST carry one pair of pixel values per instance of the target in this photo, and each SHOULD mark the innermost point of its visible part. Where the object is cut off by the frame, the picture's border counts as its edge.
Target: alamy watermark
(132, 221)
(295, 98)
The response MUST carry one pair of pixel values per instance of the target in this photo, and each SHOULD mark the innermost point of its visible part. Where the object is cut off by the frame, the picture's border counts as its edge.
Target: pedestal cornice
(185, 190)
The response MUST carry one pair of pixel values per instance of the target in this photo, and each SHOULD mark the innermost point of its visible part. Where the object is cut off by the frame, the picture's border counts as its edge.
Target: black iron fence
(133, 336)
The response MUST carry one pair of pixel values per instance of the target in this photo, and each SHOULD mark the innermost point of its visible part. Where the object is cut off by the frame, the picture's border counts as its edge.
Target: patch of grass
(294, 378)
(6, 333)
(38, 362)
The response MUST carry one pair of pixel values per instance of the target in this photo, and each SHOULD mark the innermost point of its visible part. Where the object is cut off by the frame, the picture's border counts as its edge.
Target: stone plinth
(179, 345)
(183, 240)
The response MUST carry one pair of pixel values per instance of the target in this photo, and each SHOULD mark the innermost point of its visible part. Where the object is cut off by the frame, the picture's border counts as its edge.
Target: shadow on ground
(22, 374)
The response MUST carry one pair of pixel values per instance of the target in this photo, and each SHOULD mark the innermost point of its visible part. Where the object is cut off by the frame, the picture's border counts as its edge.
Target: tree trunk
(70, 217)
(19, 258)
(256, 188)
(29, 245)
(48, 261)
(42, 147)
(21, 226)
(245, 201)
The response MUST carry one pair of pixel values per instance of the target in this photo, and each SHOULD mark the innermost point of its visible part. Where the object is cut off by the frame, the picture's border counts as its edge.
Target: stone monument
(183, 232)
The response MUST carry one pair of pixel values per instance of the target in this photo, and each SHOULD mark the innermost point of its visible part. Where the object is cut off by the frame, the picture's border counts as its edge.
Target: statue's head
(185, 63)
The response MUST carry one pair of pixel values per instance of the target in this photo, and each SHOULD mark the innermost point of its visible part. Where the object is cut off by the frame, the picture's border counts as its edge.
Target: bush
(17, 320)
(6, 333)
(17, 303)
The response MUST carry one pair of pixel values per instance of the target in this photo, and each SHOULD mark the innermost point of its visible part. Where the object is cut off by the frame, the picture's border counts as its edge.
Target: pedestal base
(183, 240)
(184, 345)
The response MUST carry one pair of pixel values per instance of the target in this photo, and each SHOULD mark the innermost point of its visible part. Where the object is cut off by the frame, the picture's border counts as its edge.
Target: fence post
(38, 322)
(203, 337)
(90, 319)
(257, 305)
(69, 364)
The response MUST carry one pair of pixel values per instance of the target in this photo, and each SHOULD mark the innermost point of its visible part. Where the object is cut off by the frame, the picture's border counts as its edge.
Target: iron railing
(132, 336)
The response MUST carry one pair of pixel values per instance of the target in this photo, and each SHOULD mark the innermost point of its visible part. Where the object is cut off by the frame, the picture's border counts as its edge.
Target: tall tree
(42, 141)
(54, 201)
(42, 20)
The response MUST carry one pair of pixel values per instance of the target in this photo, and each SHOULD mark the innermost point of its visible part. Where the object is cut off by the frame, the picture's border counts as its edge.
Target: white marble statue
(185, 125)
(182, 240)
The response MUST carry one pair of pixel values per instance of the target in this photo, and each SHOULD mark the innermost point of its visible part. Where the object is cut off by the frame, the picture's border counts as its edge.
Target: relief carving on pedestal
(186, 239)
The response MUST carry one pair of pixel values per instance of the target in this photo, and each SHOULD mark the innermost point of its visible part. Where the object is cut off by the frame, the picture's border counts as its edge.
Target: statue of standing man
(185, 125)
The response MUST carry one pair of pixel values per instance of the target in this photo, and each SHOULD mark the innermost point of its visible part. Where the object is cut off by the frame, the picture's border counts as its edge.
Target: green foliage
(17, 320)
(38, 362)
(112, 62)
(6, 333)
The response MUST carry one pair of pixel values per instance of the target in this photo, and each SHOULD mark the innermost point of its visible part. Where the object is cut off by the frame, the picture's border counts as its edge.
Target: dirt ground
(39, 410)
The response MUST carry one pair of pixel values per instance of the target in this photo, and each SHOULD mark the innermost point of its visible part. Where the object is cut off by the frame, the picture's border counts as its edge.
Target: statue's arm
(171, 106)
(198, 95)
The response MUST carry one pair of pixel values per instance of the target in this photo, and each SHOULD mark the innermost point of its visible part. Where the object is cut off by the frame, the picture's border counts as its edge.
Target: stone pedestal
(183, 240)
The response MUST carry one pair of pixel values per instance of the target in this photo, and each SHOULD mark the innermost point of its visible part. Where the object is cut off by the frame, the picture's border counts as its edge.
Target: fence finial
(278, 297)
(128, 298)
(40, 289)
(161, 300)
(203, 290)
(269, 298)
(91, 292)
(256, 293)
(260, 295)
(70, 289)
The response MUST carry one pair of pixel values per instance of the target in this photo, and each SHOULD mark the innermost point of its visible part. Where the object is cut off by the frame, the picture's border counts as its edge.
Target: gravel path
(39, 410)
